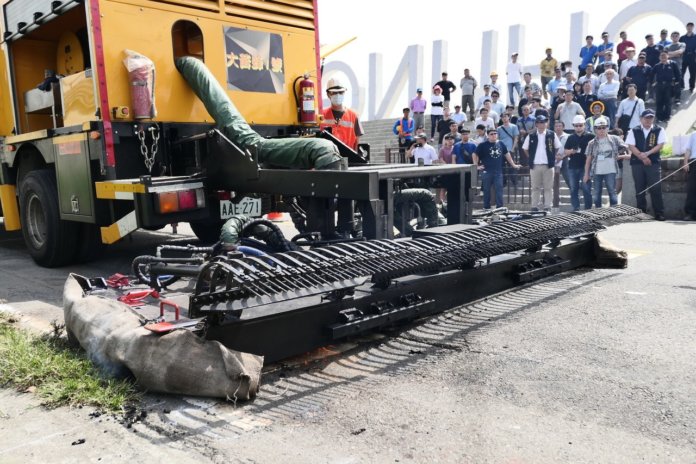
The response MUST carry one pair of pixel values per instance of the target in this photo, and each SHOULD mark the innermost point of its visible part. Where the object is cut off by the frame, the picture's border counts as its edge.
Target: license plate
(246, 206)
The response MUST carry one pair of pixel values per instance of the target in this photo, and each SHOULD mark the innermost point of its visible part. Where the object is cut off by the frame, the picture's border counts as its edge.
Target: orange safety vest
(344, 128)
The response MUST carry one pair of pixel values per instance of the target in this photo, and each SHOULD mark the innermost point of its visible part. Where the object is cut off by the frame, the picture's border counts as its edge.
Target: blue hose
(247, 250)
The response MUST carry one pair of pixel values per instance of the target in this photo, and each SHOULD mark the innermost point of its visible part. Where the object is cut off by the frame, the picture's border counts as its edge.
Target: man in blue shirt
(664, 41)
(463, 151)
(404, 129)
(490, 153)
(604, 47)
(587, 54)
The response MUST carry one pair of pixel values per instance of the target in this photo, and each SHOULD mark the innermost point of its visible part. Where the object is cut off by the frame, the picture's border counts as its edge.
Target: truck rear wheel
(51, 241)
(208, 232)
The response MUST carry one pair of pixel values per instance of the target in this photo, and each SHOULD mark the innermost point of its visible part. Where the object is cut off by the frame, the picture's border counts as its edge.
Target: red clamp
(135, 298)
(118, 281)
(164, 303)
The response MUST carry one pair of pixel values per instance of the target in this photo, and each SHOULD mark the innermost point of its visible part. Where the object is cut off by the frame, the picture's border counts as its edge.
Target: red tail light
(183, 200)
(187, 199)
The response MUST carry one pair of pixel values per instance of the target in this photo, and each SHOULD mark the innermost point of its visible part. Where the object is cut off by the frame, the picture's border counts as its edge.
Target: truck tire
(208, 232)
(51, 242)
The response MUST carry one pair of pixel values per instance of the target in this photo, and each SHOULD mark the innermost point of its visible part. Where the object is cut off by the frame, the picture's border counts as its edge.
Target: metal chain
(155, 134)
(149, 158)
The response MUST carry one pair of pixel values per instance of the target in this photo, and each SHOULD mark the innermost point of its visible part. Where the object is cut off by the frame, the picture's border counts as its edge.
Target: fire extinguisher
(306, 101)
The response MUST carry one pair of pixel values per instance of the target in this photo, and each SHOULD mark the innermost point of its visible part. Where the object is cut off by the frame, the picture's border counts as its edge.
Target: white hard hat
(335, 85)
(578, 119)
(601, 121)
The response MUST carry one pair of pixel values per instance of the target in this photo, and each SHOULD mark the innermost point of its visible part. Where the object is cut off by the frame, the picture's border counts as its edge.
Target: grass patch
(60, 375)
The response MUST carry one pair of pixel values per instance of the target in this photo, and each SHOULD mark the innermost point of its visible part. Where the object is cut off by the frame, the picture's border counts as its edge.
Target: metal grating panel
(295, 13)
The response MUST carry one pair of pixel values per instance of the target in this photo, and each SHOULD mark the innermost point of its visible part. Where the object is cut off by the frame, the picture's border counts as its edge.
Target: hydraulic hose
(303, 153)
(425, 200)
(238, 227)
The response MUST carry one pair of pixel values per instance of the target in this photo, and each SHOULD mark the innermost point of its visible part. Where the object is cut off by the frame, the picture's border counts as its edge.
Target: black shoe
(688, 217)
(659, 217)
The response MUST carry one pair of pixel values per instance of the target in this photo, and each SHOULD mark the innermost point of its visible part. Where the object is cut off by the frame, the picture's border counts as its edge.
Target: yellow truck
(92, 141)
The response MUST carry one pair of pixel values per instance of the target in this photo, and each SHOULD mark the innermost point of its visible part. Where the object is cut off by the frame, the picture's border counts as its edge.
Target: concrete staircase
(379, 135)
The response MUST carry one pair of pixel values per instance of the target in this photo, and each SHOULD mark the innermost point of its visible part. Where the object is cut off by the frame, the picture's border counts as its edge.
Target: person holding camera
(420, 150)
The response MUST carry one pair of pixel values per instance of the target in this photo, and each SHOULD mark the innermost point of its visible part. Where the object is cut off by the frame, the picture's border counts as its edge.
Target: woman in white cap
(602, 164)
(437, 109)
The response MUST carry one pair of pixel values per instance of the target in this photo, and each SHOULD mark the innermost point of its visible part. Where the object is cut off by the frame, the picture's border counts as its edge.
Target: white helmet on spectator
(578, 119)
(601, 121)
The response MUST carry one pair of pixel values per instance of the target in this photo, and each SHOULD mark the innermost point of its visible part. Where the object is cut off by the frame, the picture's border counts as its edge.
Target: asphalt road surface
(585, 367)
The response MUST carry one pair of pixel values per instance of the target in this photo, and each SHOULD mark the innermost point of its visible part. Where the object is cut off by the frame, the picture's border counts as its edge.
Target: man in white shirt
(496, 105)
(608, 93)
(485, 120)
(645, 143)
(541, 147)
(590, 76)
(513, 71)
(690, 168)
(486, 96)
(567, 111)
(632, 106)
(628, 63)
(422, 151)
(458, 116)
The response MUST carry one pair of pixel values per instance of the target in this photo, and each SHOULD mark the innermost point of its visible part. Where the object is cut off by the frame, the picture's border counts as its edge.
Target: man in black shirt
(443, 125)
(667, 76)
(447, 88)
(587, 98)
(491, 154)
(689, 59)
(652, 51)
(575, 148)
(641, 75)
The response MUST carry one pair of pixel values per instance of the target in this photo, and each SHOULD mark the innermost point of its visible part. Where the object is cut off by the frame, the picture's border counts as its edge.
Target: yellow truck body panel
(146, 26)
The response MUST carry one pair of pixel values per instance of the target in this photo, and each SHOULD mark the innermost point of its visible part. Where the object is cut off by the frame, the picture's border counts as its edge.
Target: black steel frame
(303, 324)
(371, 187)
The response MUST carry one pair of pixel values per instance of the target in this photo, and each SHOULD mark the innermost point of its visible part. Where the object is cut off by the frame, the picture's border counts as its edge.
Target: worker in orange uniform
(344, 122)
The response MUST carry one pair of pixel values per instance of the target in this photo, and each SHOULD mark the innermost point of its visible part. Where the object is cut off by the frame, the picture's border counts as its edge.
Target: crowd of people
(580, 129)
